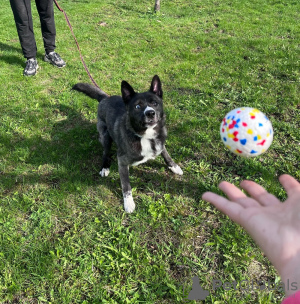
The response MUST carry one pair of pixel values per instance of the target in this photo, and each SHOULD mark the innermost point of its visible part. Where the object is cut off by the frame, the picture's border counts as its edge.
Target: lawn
(64, 237)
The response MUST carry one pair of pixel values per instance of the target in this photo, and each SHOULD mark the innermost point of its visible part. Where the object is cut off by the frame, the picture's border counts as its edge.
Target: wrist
(290, 277)
(290, 286)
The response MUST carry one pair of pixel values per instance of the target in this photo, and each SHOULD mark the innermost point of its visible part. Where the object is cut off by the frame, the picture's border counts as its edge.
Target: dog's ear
(156, 86)
(127, 91)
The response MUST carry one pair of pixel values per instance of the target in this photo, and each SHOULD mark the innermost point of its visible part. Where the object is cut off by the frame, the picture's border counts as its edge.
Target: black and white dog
(136, 123)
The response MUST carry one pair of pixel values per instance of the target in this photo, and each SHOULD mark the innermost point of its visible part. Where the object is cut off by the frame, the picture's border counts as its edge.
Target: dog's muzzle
(150, 116)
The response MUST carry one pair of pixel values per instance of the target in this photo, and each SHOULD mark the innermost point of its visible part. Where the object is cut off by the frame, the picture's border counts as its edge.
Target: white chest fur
(148, 150)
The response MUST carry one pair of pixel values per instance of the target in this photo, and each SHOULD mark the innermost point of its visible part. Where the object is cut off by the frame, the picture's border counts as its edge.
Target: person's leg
(46, 13)
(23, 19)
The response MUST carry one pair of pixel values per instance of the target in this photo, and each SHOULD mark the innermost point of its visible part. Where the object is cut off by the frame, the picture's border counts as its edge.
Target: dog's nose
(150, 113)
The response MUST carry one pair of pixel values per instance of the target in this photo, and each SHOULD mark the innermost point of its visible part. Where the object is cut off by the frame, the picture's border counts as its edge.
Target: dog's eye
(138, 106)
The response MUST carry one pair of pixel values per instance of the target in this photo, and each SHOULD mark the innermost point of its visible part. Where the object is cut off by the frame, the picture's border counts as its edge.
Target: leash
(81, 57)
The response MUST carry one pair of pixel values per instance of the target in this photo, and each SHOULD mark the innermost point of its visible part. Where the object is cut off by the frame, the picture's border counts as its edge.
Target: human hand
(273, 225)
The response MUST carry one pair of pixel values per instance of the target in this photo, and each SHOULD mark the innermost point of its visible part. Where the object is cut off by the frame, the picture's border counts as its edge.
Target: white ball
(246, 132)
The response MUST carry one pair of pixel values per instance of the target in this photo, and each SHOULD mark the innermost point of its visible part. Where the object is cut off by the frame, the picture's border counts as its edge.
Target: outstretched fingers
(236, 195)
(259, 194)
(229, 208)
(290, 184)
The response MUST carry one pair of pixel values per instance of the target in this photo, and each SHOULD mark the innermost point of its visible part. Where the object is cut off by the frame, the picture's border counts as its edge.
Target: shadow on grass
(72, 157)
(14, 59)
(11, 59)
(10, 48)
(71, 153)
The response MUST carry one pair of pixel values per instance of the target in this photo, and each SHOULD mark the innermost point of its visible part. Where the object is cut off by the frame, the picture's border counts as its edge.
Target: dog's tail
(90, 91)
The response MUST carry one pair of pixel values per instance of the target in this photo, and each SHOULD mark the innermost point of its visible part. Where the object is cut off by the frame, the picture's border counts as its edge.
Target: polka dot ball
(246, 132)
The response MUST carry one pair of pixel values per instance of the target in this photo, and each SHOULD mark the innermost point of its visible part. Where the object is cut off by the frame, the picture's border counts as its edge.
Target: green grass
(64, 237)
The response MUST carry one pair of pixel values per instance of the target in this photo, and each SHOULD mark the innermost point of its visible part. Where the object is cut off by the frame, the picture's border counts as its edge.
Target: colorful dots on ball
(246, 132)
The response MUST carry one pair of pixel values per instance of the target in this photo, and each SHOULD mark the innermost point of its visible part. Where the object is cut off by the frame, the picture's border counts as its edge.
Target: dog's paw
(104, 172)
(176, 169)
(129, 204)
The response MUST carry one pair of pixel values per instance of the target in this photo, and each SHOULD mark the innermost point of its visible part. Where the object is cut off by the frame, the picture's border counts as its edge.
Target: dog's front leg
(170, 163)
(129, 204)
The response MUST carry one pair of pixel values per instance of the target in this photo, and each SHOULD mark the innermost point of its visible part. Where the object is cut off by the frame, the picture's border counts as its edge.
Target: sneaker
(55, 59)
(31, 67)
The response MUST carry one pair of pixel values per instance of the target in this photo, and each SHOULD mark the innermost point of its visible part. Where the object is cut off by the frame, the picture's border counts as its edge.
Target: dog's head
(144, 110)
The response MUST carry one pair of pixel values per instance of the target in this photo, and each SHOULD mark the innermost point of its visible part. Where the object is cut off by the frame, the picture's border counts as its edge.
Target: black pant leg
(23, 19)
(46, 13)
